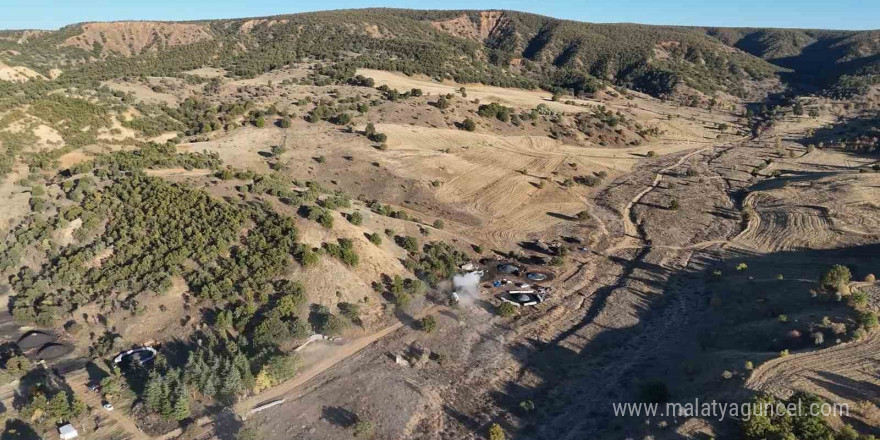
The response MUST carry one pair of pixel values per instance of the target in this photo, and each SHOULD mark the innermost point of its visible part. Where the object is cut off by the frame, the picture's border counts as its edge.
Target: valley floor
(640, 305)
(692, 260)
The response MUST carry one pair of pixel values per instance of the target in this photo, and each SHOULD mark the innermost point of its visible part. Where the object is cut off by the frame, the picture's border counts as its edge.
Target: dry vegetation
(292, 229)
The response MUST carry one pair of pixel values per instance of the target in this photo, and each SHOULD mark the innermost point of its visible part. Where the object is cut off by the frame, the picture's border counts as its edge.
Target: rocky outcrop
(135, 37)
(490, 23)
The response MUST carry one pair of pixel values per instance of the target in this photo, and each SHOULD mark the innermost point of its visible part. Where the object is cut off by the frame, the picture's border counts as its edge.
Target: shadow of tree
(339, 416)
(15, 429)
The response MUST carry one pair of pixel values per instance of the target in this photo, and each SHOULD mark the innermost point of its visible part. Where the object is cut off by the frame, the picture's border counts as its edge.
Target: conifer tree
(231, 381)
(209, 388)
(153, 391)
(181, 403)
(58, 408)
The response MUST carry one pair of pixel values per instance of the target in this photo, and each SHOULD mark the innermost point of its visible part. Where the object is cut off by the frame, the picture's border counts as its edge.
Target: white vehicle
(108, 406)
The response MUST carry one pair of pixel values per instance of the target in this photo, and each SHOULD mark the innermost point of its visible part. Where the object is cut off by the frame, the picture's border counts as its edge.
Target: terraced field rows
(852, 362)
(781, 227)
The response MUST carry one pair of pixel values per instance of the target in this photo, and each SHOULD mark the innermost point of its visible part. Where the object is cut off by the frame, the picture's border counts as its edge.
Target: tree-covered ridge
(138, 232)
(152, 230)
(845, 61)
(404, 40)
(623, 53)
(521, 50)
(781, 44)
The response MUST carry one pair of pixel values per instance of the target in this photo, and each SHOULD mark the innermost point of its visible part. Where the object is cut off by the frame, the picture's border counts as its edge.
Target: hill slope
(818, 56)
(497, 47)
(504, 48)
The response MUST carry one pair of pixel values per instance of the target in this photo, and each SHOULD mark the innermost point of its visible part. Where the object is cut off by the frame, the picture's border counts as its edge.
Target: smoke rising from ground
(467, 287)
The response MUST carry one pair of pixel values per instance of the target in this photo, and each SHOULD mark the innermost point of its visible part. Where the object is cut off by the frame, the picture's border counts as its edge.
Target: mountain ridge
(495, 46)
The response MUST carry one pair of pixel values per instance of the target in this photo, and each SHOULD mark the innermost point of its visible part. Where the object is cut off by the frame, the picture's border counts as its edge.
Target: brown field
(632, 309)
(698, 241)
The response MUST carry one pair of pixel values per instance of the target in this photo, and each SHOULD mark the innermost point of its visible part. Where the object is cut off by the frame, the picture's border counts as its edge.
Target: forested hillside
(502, 48)
(410, 224)
(847, 61)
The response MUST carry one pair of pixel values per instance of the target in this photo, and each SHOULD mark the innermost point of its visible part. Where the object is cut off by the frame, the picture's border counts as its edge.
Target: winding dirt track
(629, 227)
(326, 363)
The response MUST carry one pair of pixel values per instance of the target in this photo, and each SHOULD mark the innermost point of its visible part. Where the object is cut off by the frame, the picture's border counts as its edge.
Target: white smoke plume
(467, 286)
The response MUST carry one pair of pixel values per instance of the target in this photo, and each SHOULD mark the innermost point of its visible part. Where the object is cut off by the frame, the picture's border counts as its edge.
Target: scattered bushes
(468, 125)
(350, 310)
(428, 324)
(325, 322)
(506, 310)
(320, 215)
(409, 243)
(375, 238)
(778, 425)
(495, 110)
(343, 250)
(438, 261)
(442, 103)
(356, 218)
(836, 279)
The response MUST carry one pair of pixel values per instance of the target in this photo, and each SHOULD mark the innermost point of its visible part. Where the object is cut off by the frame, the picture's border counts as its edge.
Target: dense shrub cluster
(437, 262)
(804, 425)
(495, 110)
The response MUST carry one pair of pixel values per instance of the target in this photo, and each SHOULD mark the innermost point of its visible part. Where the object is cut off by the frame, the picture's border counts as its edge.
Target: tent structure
(67, 432)
(141, 355)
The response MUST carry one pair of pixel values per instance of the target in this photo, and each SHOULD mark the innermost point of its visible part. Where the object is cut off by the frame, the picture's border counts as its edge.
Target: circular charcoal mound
(507, 268)
(34, 339)
(536, 276)
(53, 351)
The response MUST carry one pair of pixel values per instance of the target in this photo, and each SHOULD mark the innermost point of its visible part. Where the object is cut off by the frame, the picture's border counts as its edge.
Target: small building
(67, 432)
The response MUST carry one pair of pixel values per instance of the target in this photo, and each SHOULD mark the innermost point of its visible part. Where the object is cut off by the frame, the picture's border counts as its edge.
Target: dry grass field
(681, 256)
(644, 303)
(391, 224)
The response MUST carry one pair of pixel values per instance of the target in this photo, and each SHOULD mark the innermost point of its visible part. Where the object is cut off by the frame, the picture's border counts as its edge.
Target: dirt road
(324, 364)
(77, 382)
(630, 229)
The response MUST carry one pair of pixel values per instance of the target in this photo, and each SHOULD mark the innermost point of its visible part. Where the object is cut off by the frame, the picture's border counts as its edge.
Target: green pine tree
(153, 391)
(167, 408)
(78, 407)
(181, 403)
(209, 388)
(231, 381)
(58, 408)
